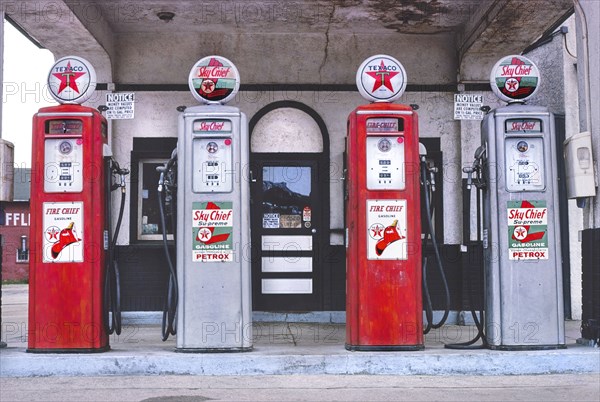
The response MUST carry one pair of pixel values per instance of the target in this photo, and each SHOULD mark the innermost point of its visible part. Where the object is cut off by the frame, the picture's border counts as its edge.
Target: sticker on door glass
(387, 233)
(306, 214)
(290, 221)
(212, 231)
(63, 231)
(271, 221)
(527, 230)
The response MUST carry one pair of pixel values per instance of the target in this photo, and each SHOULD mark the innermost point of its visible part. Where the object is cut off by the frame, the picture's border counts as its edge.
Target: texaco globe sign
(515, 78)
(381, 78)
(71, 80)
(214, 79)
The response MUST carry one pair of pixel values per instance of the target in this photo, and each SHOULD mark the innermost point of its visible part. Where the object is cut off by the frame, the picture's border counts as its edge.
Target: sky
(26, 69)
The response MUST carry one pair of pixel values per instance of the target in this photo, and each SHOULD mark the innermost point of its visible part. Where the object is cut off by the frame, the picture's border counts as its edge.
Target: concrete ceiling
(302, 16)
(476, 31)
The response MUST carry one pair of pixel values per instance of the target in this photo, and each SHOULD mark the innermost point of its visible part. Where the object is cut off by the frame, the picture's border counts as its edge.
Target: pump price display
(71, 127)
(527, 230)
(212, 231)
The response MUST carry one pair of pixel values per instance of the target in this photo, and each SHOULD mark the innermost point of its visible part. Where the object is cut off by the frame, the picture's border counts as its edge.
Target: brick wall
(16, 224)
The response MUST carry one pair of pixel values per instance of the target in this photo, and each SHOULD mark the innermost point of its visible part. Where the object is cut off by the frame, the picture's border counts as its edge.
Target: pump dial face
(384, 145)
(212, 147)
(522, 146)
(65, 147)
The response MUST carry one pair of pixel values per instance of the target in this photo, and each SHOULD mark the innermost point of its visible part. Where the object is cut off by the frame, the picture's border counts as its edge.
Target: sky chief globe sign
(515, 78)
(214, 79)
(72, 80)
(381, 78)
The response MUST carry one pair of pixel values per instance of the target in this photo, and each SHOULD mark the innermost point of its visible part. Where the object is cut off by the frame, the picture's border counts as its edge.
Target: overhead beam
(501, 27)
(66, 30)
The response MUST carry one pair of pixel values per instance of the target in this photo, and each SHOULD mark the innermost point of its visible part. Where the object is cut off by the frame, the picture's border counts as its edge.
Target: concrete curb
(16, 363)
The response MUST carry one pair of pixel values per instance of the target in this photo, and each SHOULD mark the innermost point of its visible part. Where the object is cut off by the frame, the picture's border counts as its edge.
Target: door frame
(323, 175)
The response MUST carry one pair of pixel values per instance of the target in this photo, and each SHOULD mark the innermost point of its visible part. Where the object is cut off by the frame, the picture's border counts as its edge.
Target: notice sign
(468, 107)
(271, 221)
(386, 226)
(63, 231)
(212, 231)
(527, 230)
(120, 105)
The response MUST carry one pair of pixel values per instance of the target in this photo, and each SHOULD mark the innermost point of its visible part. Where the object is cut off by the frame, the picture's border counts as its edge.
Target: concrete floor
(280, 349)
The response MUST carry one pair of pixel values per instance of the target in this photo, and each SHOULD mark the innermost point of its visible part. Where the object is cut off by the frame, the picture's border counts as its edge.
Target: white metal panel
(287, 286)
(287, 243)
(287, 264)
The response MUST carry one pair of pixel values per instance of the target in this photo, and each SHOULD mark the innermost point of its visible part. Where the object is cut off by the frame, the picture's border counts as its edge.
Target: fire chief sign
(527, 230)
(386, 225)
(212, 231)
(63, 231)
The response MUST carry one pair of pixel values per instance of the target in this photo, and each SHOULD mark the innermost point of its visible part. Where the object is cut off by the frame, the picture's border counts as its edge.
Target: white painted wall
(156, 116)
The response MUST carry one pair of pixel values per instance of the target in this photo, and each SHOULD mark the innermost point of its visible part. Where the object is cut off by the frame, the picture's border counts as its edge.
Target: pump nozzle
(469, 171)
(422, 150)
(161, 179)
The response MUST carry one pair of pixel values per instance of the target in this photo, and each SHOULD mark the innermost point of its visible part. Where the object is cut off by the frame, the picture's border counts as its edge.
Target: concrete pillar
(588, 66)
(2, 343)
(1, 66)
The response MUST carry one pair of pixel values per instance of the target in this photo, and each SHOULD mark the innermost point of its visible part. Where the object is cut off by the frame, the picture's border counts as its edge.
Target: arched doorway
(289, 157)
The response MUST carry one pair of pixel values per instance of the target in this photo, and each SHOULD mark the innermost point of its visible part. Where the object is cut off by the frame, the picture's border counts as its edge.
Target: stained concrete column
(1, 66)
(588, 66)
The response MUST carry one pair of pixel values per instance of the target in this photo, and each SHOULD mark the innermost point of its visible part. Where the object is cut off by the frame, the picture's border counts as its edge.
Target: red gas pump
(69, 232)
(383, 218)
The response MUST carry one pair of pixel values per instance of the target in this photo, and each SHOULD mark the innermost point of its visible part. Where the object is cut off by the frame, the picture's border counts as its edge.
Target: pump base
(82, 350)
(213, 350)
(526, 347)
(384, 348)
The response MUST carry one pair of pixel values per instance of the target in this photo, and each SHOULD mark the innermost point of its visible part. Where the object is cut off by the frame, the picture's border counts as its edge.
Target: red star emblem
(377, 231)
(512, 84)
(204, 234)
(208, 86)
(68, 79)
(382, 77)
(52, 234)
(520, 233)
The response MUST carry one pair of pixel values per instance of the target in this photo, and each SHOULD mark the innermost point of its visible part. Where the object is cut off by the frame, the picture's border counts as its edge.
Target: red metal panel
(384, 301)
(66, 298)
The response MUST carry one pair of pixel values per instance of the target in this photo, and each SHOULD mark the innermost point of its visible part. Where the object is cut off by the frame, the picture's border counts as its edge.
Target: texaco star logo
(71, 80)
(204, 234)
(382, 77)
(376, 231)
(52, 234)
(511, 85)
(68, 78)
(520, 233)
(208, 86)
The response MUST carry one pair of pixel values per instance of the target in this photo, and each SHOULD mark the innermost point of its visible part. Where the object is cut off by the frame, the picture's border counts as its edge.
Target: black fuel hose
(112, 284)
(431, 232)
(169, 326)
(477, 320)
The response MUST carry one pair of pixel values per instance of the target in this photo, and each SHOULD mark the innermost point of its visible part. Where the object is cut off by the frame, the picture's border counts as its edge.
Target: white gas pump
(213, 215)
(517, 170)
